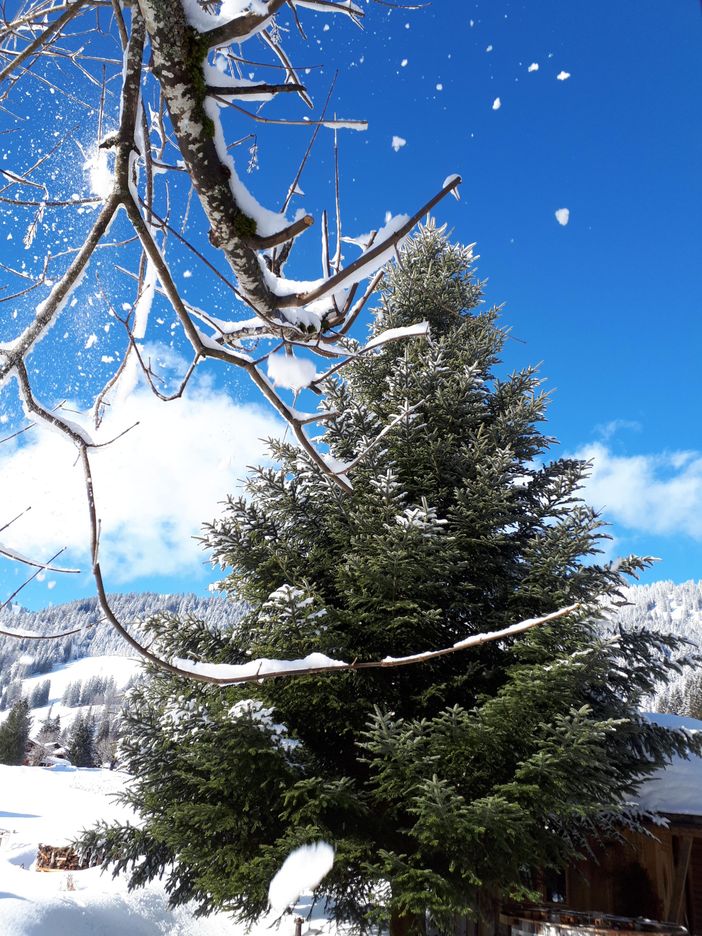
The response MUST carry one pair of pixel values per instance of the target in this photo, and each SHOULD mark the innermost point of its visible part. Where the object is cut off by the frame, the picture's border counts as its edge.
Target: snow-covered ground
(50, 806)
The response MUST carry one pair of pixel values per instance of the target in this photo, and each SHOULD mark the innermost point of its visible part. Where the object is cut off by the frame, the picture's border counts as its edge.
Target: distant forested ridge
(96, 637)
(664, 606)
(674, 609)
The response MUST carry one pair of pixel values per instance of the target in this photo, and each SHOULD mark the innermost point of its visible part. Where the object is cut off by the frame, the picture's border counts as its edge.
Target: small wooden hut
(45, 754)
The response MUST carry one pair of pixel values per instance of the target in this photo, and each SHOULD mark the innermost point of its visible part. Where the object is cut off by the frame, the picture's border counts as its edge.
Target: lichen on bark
(198, 49)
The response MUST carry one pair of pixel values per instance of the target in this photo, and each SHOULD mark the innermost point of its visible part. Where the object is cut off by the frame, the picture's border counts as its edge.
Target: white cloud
(562, 216)
(615, 426)
(155, 486)
(656, 494)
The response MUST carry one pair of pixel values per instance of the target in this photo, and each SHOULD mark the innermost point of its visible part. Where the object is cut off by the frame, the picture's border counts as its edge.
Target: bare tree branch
(338, 279)
(51, 30)
(241, 27)
(167, 105)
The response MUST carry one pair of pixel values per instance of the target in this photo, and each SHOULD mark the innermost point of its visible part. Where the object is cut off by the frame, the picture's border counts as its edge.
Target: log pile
(60, 858)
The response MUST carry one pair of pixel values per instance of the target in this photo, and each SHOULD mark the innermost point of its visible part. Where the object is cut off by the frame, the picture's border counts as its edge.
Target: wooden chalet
(647, 882)
(44, 754)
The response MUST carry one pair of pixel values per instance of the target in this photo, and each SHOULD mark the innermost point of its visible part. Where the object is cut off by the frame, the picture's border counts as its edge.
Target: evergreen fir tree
(107, 740)
(39, 696)
(81, 743)
(11, 694)
(440, 785)
(14, 734)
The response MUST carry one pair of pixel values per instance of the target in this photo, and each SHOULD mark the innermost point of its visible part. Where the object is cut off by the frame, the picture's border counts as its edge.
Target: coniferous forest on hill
(665, 606)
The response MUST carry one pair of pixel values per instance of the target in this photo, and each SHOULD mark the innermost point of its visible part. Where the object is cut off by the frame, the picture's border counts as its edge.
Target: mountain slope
(23, 658)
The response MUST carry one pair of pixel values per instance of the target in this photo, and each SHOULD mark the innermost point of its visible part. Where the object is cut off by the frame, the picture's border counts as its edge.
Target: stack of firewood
(59, 858)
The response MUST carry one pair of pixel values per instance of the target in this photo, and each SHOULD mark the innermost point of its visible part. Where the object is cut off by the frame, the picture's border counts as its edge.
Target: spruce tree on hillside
(81, 741)
(14, 734)
(440, 785)
(39, 696)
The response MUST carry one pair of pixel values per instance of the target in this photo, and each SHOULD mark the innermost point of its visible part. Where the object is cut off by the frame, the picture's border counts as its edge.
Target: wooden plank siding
(632, 878)
(676, 908)
(657, 876)
(694, 889)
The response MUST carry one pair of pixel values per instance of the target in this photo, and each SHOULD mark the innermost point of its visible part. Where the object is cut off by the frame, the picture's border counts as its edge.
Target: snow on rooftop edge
(677, 788)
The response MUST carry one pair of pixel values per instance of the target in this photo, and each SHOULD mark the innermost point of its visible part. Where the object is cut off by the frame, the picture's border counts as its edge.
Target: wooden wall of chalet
(660, 878)
(694, 885)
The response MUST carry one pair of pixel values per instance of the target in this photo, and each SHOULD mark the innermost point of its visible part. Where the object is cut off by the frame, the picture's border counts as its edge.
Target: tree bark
(178, 56)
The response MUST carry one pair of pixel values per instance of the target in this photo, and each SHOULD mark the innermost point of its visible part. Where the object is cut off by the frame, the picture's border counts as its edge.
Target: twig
(302, 299)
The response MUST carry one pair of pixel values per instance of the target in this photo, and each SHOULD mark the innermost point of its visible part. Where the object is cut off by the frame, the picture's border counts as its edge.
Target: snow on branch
(15, 556)
(239, 28)
(317, 664)
(256, 669)
(420, 330)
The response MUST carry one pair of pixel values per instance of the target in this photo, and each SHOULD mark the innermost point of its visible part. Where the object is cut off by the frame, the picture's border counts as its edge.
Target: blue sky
(609, 303)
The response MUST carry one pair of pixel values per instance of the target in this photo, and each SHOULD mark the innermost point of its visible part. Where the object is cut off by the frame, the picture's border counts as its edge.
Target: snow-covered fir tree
(442, 785)
(14, 734)
(81, 741)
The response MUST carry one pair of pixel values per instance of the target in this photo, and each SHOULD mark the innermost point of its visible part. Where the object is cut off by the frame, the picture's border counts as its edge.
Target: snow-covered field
(51, 805)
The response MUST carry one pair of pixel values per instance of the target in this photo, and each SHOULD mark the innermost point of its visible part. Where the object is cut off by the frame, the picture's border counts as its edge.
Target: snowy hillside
(95, 637)
(121, 671)
(50, 806)
(23, 660)
(665, 607)
(672, 609)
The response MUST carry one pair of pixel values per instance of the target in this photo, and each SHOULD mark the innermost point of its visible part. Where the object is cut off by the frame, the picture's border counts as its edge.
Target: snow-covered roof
(677, 788)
